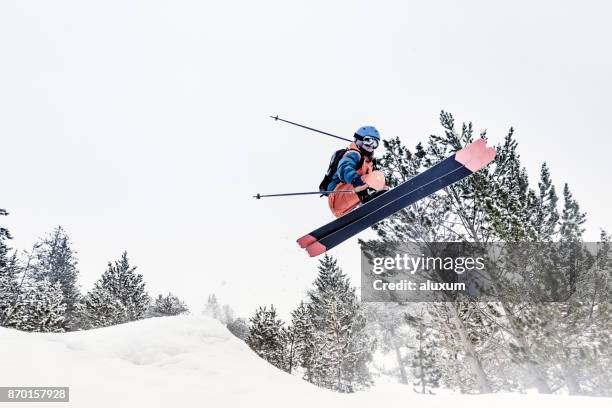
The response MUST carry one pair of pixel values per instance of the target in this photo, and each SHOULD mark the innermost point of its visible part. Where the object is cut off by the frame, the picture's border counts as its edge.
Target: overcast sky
(143, 125)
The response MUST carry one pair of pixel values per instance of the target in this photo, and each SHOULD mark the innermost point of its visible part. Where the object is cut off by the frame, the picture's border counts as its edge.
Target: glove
(362, 187)
(365, 195)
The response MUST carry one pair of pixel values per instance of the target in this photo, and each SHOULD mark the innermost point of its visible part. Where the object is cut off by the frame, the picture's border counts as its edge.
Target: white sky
(143, 125)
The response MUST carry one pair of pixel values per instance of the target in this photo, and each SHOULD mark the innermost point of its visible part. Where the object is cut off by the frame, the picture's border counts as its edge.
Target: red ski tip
(316, 248)
(482, 160)
(306, 240)
(476, 155)
(466, 154)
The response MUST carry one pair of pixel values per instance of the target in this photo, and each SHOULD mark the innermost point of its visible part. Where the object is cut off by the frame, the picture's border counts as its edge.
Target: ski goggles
(370, 142)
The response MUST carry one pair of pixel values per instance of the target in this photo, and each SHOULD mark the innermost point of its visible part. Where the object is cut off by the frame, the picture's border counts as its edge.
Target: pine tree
(118, 297)
(239, 327)
(42, 309)
(289, 352)
(9, 288)
(28, 304)
(55, 261)
(169, 305)
(101, 308)
(425, 367)
(546, 213)
(508, 208)
(339, 325)
(305, 342)
(4, 249)
(25, 304)
(571, 219)
(265, 336)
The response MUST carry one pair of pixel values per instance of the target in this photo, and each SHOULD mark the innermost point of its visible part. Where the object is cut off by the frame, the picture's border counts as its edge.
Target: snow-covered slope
(191, 361)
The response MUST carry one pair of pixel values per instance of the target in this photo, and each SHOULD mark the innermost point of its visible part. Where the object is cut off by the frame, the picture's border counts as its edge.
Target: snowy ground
(194, 362)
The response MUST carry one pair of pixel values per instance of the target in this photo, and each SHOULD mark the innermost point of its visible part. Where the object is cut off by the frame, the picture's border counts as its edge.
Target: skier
(355, 171)
(461, 164)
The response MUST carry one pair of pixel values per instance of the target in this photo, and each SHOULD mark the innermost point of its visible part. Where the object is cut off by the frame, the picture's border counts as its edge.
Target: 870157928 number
(31, 394)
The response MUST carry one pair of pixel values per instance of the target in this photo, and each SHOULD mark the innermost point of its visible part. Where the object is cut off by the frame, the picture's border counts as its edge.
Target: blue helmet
(367, 131)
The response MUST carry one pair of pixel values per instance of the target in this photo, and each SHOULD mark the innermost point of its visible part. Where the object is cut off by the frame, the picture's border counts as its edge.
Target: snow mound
(181, 361)
(189, 361)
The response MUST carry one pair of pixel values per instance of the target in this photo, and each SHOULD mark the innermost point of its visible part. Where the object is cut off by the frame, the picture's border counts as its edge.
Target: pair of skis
(460, 165)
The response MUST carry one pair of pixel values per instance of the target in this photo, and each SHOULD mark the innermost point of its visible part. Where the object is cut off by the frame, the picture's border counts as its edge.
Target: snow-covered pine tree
(8, 292)
(239, 327)
(546, 212)
(265, 336)
(305, 344)
(169, 305)
(4, 249)
(29, 304)
(55, 261)
(25, 303)
(288, 336)
(43, 308)
(119, 296)
(572, 219)
(100, 308)
(8, 274)
(340, 333)
(425, 365)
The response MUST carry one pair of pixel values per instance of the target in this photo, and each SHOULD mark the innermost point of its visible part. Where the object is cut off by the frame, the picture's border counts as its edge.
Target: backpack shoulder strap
(350, 149)
(361, 157)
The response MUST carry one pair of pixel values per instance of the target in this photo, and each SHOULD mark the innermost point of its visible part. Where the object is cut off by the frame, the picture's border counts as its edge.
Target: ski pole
(309, 128)
(258, 196)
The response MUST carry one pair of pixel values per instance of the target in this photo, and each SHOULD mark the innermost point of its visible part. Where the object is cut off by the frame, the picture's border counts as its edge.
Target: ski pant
(342, 203)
